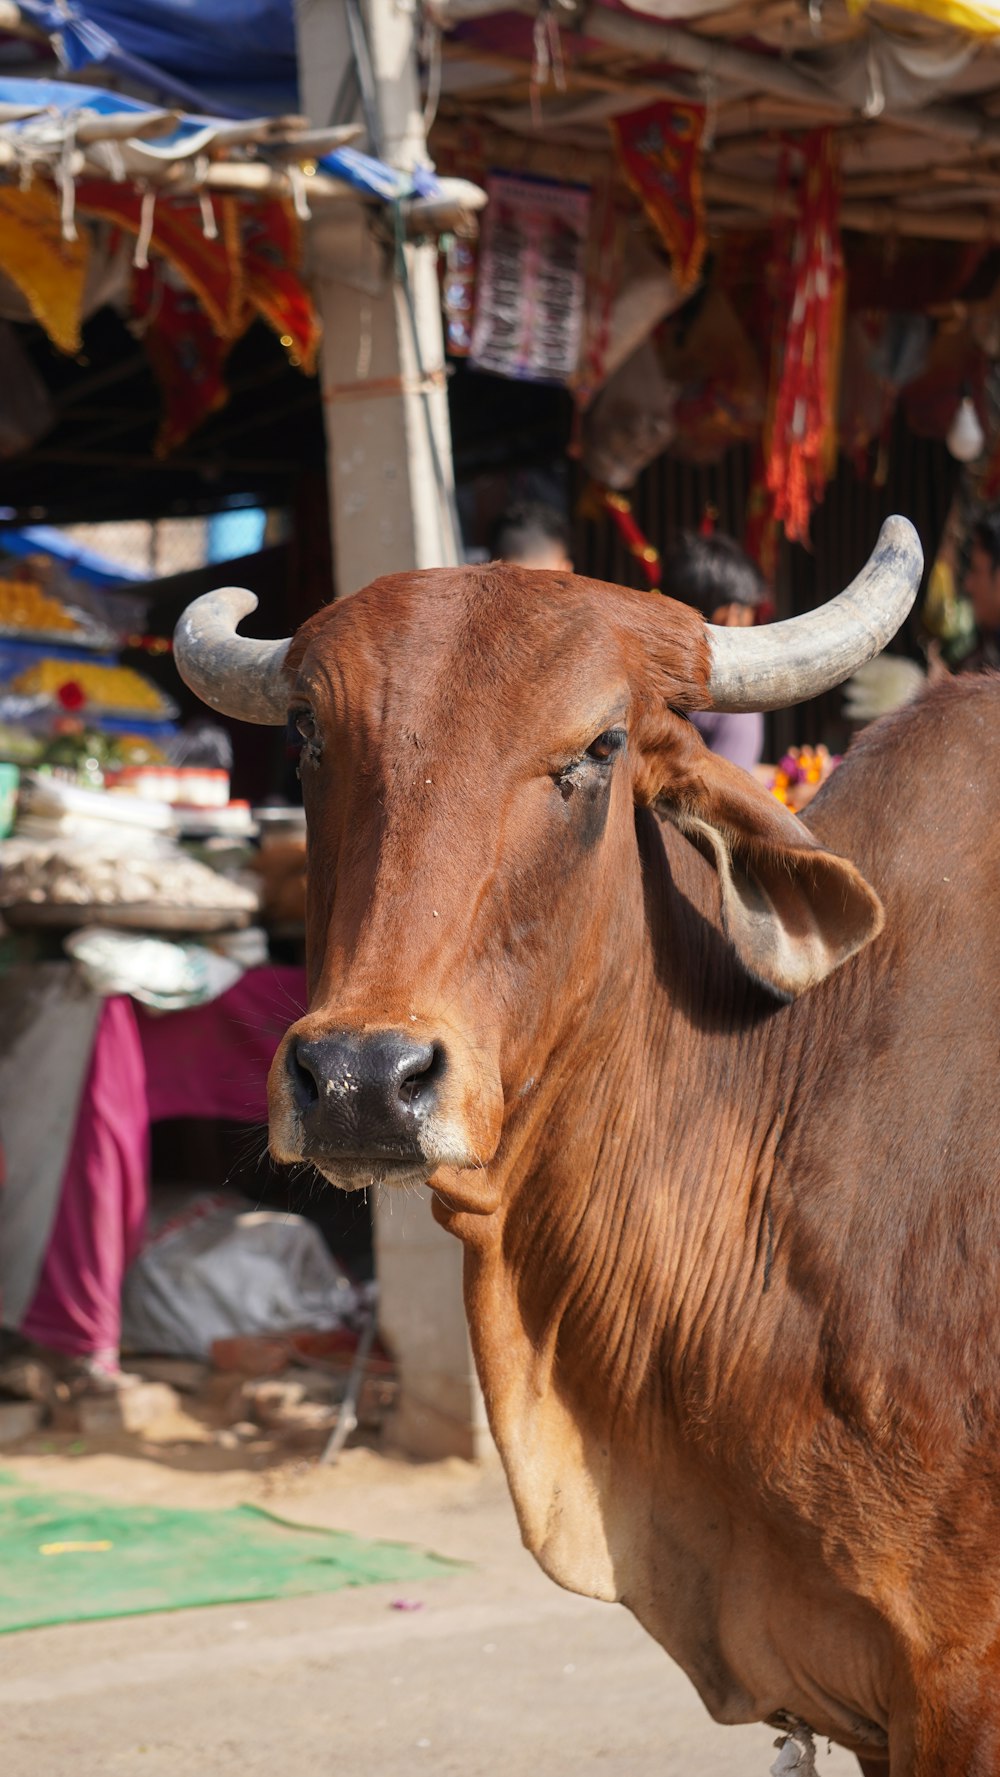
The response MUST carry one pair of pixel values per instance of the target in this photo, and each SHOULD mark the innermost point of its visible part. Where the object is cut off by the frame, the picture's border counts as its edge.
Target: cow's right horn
(783, 663)
(227, 671)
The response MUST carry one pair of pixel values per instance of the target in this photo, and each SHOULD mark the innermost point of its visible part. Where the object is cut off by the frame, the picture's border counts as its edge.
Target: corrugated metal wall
(672, 496)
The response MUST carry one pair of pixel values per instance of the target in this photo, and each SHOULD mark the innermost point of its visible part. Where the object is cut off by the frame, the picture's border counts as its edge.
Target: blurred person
(532, 534)
(716, 577)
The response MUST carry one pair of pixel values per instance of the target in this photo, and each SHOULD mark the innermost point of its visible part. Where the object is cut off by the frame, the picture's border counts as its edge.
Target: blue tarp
(71, 95)
(83, 564)
(361, 171)
(234, 57)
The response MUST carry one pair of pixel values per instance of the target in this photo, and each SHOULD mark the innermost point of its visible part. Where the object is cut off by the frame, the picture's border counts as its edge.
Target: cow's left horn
(227, 671)
(783, 663)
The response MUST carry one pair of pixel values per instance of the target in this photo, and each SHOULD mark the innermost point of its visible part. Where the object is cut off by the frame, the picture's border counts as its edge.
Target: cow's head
(474, 743)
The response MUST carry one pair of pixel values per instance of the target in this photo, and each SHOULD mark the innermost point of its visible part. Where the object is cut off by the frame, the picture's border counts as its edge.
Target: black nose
(365, 1097)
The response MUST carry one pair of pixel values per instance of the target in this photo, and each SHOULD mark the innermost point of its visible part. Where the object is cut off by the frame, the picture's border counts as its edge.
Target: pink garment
(99, 1223)
(209, 1061)
(213, 1061)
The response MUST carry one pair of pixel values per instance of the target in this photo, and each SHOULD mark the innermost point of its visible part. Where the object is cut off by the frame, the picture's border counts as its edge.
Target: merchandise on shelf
(24, 605)
(190, 786)
(117, 688)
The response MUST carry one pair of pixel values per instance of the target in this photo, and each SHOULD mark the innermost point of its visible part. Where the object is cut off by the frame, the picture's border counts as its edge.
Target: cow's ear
(792, 911)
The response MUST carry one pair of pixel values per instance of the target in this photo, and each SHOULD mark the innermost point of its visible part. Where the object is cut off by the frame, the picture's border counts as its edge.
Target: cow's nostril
(367, 1095)
(419, 1075)
(305, 1086)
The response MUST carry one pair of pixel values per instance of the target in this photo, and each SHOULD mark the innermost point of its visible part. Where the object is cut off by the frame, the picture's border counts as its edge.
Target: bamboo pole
(95, 128)
(453, 209)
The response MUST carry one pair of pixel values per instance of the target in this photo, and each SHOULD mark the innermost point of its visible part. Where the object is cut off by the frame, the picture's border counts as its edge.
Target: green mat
(135, 1559)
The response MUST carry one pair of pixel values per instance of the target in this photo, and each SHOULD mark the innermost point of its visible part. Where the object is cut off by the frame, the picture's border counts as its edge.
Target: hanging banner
(801, 438)
(211, 267)
(532, 279)
(48, 270)
(458, 294)
(186, 355)
(272, 284)
(659, 149)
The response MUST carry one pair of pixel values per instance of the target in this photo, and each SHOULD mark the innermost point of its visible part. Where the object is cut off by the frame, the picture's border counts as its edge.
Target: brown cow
(731, 1246)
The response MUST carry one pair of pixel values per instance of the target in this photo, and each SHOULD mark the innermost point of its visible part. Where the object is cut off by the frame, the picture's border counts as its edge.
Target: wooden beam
(772, 74)
(763, 202)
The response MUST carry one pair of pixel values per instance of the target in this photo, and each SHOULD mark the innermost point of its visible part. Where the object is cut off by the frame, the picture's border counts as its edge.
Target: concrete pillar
(390, 476)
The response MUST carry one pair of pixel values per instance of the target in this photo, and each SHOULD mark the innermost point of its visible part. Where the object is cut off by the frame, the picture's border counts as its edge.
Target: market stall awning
(237, 54)
(69, 131)
(911, 93)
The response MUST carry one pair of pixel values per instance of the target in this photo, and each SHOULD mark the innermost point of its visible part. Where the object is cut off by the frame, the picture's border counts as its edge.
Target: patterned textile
(659, 148)
(186, 354)
(271, 254)
(532, 279)
(801, 436)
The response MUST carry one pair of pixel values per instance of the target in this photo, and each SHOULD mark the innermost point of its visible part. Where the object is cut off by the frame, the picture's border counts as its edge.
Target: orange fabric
(212, 269)
(271, 251)
(48, 270)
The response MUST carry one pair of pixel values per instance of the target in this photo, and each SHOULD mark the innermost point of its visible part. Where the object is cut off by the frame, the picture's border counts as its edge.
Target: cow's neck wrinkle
(626, 1303)
(605, 1292)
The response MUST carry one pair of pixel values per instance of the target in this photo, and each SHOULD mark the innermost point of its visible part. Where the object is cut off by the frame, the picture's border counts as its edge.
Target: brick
(126, 1410)
(18, 1419)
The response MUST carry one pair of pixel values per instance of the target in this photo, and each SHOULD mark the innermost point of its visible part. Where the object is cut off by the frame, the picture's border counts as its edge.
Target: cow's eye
(306, 726)
(607, 745)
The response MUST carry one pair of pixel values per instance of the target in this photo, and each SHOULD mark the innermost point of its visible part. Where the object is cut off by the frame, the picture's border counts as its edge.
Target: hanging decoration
(532, 277)
(270, 250)
(458, 294)
(186, 355)
(596, 500)
(722, 389)
(210, 266)
(197, 290)
(801, 435)
(659, 149)
(49, 270)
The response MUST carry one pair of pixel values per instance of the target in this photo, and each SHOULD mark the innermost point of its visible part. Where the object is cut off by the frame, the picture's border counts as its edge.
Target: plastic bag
(218, 1271)
(631, 422)
(202, 744)
(157, 971)
(882, 685)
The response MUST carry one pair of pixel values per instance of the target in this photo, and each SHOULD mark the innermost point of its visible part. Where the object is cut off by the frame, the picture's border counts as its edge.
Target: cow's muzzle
(365, 1098)
(385, 1104)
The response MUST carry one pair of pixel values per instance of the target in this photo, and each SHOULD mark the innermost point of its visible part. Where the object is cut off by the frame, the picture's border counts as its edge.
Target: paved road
(499, 1674)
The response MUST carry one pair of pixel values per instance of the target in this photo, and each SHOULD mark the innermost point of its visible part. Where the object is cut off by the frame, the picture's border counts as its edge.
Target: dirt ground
(498, 1674)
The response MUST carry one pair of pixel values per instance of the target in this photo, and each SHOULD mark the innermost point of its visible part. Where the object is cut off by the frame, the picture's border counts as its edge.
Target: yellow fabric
(48, 271)
(979, 16)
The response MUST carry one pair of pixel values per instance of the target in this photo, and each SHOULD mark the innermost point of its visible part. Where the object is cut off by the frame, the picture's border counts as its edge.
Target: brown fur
(731, 1258)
